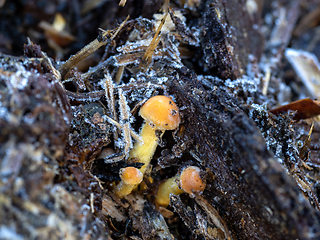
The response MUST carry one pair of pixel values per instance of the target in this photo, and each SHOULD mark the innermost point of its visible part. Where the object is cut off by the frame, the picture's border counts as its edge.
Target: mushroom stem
(170, 186)
(142, 152)
(123, 189)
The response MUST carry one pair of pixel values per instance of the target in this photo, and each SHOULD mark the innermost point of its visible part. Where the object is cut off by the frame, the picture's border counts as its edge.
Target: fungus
(170, 186)
(189, 181)
(160, 113)
(130, 177)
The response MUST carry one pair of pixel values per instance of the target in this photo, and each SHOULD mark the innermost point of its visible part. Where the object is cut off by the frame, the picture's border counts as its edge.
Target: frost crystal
(19, 79)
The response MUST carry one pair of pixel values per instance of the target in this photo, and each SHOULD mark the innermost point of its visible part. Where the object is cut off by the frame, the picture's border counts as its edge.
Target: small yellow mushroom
(189, 181)
(160, 113)
(130, 176)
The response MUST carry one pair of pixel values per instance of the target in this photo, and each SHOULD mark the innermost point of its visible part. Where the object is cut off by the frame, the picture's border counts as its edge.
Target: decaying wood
(225, 54)
(33, 138)
(249, 188)
(262, 180)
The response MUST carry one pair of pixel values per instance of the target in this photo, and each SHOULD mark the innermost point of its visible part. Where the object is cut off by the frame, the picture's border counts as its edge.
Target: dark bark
(250, 189)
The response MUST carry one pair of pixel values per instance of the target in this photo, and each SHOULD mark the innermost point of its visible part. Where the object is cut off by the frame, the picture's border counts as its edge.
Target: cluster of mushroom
(160, 114)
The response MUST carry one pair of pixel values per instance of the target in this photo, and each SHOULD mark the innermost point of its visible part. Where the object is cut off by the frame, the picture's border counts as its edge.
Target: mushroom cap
(131, 175)
(161, 112)
(190, 180)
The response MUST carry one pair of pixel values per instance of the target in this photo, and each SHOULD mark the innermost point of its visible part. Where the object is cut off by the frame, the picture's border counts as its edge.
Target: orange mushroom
(160, 113)
(188, 181)
(130, 176)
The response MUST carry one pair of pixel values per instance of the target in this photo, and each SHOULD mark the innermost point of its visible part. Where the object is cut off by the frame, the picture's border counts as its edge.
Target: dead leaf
(304, 108)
